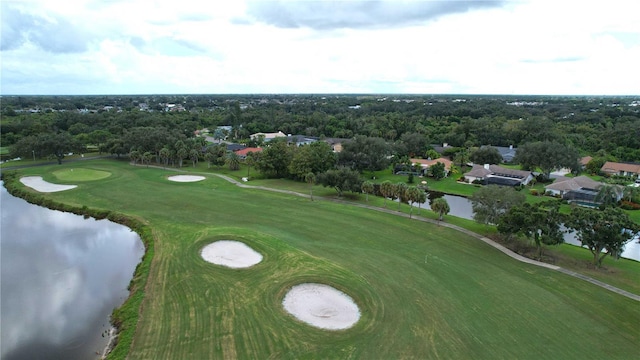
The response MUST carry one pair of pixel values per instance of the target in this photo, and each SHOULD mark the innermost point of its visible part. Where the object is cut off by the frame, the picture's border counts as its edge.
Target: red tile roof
(245, 151)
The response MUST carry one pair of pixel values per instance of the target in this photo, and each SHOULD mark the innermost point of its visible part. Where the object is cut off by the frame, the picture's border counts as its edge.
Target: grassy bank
(424, 291)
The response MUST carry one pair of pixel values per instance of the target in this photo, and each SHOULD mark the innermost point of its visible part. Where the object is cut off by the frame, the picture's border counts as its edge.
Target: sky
(555, 47)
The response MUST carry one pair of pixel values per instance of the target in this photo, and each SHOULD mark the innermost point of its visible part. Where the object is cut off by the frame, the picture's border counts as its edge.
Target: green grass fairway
(424, 291)
(80, 174)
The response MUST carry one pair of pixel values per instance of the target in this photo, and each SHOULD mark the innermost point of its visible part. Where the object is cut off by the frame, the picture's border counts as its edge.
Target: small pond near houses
(462, 207)
(61, 277)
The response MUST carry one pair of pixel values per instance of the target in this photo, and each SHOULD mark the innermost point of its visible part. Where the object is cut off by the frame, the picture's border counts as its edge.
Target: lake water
(461, 207)
(61, 277)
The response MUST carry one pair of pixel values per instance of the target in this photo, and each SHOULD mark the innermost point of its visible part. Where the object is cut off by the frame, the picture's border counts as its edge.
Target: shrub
(534, 192)
(628, 205)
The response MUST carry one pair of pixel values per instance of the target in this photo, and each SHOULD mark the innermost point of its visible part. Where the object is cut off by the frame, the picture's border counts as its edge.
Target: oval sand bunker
(233, 254)
(38, 184)
(186, 178)
(321, 306)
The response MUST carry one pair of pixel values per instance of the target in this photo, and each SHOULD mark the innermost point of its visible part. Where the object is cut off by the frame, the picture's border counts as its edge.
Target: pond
(61, 277)
(461, 207)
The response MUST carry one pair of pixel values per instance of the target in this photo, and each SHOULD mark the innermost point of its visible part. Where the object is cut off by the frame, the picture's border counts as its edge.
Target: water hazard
(61, 277)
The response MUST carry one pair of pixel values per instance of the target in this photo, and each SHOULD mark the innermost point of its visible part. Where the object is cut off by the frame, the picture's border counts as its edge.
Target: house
(235, 147)
(440, 149)
(581, 189)
(507, 153)
(300, 140)
(624, 169)
(497, 175)
(267, 136)
(426, 163)
(585, 160)
(242, 153)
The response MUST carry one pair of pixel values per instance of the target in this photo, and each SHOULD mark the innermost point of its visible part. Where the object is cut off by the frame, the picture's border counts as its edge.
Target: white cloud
(140, 47)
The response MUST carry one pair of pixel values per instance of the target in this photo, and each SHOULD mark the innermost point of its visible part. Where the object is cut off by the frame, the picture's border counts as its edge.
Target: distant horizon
(328, 94)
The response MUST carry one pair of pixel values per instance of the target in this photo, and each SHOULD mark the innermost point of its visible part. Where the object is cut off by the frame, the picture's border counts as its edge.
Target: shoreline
(113, 341)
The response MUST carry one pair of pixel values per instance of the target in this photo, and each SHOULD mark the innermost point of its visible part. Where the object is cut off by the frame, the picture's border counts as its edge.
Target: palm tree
(386, 189)
(135, 156)
(608, 195)
(233, 160)
(310, 178)
(165, 154)
(441, 207)
(193, 155)
(367, 188)
(401, 193)
(146, 158)
(413, 195)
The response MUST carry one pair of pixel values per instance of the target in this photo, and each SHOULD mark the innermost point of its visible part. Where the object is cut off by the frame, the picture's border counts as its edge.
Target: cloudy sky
(302, 46)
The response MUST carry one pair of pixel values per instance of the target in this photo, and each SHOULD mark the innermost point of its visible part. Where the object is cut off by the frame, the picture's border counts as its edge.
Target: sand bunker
(186, 178)
(37, 184)
(233, 254)
(321, 306)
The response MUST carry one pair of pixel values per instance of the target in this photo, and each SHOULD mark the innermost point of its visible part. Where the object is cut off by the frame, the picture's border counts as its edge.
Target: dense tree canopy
(490, 202)
(604, 232)
(548, 156)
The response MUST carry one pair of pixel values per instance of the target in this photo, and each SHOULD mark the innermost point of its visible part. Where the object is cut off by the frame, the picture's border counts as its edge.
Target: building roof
(427, 162)
(585, 160)
(245, 151)
(571, 184)
(480, 171)
(507, 152)
(614, 167)
(268, 136)
(235, 147)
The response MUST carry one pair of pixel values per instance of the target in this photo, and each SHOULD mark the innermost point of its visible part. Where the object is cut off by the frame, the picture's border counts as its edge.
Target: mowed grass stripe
(424, 291)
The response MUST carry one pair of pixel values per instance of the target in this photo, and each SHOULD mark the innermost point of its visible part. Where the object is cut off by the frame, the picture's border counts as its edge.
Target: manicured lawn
(80, 174)
(424, 291)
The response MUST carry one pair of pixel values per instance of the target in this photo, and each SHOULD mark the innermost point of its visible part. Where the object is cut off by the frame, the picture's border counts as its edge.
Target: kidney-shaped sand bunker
(321, 306)
(186, 178)
(229, 253)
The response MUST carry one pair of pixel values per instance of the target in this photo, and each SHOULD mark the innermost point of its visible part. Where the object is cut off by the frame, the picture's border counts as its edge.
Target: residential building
(425, 164)
(497, 175)
(624, 169)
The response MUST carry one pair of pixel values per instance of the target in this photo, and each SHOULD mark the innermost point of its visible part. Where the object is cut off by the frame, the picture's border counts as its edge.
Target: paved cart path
(451, 226)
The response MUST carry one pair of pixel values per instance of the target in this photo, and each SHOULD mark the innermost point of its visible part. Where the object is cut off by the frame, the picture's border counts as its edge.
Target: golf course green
(424, 291)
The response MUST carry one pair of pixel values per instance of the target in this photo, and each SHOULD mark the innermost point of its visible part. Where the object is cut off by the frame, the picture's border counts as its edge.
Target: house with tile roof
(425, 164)
(581, 189)
(624, 169)
(497, 175)
(242, 153)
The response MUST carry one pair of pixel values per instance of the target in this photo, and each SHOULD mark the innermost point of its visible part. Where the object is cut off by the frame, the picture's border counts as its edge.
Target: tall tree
(316, 157)
(540, 222)
(438, 171)
(608, 195)
(367, 188)
(342, 179)
(275, 159)
(310, 178)
(233, 161)
(365, 153)
(603, 232)
(441, 207)
(548, 156)
(486, 155)
(400, 190)
(386, 189)
(492, 201)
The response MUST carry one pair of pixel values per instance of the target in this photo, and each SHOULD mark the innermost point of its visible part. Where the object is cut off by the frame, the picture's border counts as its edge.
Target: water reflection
(61, 276)
(461, 207)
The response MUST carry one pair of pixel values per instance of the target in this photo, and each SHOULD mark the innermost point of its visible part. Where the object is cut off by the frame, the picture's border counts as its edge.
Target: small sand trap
(37, 184)
(233, 254)
(321, 306)
(186, 178)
